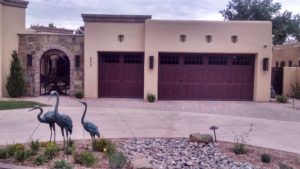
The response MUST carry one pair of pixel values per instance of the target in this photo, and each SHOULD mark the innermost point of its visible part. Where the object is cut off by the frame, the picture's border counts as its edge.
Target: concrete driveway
(275, 125)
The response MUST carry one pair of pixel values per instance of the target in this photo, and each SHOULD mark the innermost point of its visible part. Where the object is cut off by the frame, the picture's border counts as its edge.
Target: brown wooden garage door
(205, 77)
(121, 75)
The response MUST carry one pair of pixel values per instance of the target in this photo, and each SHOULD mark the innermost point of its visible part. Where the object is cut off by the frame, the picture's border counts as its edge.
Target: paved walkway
(275, 125)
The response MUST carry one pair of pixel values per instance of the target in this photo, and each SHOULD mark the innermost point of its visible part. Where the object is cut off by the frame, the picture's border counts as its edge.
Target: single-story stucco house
(131, 56)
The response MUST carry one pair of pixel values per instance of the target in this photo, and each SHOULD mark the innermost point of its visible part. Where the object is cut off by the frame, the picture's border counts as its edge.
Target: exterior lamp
(182, 38)
(151, 62)
(266, 64)
(121, 38)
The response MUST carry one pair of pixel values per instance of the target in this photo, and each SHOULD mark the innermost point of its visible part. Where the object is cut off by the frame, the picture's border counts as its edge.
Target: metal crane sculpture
(62, 120)
(89, 126)
(47, 118)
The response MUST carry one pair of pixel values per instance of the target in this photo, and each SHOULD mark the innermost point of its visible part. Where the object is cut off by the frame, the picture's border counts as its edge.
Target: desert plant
(22, 155)
(11, 149)
(117, 160)
(99, 144)
(79, 95)
(35, 146)
(151, 98)
(62, 164)
(40, 159)
(85, 158)
(265, 158)
(51, 151)
(240, 141)
(109, 149)
(15, 81)
(282, 99)
(3, 153)
(284, 166)
(296, 90)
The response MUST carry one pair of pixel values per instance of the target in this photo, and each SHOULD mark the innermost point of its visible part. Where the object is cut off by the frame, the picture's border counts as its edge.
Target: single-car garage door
(205, 76)
(121, 75)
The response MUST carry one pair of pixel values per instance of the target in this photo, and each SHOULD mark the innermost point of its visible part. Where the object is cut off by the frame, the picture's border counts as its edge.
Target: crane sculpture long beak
(32, 109)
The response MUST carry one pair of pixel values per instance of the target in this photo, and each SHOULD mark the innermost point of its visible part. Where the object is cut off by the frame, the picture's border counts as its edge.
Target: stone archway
(54, 72)
(37, 64)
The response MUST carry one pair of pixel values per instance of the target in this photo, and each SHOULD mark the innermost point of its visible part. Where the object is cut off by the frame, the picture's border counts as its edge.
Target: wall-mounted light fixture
(90, 61)
(121, 38)
(208, 38)
(265, 64)
(151, 62)
(234, 39)
(265, 46)
(77, 61)
(182, 38)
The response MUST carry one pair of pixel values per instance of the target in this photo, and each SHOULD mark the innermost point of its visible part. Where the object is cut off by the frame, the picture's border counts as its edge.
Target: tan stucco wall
(1, 52)
(287, 52)
(163, 36)
(13, 22)
(291, 75)
(104, 37)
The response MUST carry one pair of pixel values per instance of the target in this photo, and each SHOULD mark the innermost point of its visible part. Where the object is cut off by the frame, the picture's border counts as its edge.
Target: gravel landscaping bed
(178, 153)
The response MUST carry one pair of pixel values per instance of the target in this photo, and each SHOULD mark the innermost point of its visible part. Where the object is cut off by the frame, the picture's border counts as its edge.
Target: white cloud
(67, 13)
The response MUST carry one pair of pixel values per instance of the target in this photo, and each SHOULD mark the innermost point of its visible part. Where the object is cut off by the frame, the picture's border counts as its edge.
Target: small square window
(234, 39)
(29, 60)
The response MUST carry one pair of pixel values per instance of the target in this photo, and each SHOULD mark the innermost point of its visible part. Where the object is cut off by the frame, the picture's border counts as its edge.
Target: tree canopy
(285, 25)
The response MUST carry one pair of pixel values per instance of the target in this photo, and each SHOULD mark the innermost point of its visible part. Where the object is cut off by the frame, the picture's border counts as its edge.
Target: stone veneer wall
(37, 44)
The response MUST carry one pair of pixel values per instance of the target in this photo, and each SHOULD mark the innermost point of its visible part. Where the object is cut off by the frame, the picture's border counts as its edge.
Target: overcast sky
(67, 13)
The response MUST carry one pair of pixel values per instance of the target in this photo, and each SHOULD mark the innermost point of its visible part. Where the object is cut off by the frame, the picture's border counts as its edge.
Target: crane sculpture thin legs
(52, 128)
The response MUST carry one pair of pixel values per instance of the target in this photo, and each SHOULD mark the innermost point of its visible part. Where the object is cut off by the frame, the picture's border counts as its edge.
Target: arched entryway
(54, 72)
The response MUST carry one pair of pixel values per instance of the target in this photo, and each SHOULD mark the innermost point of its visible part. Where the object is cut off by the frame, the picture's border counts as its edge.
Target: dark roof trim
(15, 3)
(115, 18)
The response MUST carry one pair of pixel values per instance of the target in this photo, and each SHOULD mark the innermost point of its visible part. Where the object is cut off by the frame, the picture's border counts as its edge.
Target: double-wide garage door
(205, 77)
(121, 75)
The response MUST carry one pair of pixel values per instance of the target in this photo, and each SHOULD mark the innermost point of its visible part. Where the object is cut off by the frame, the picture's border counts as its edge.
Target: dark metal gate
(277, 79)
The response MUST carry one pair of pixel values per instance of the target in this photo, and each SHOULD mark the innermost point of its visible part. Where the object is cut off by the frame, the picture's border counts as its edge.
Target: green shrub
(296, 90)
(151, 98)
(3, 153)
(239, 149)
(35, 146)
(79, 95)
(15, 81)
(22, 155)
(62, 164)
(284, 166)
(265, 158)
(282, 99)
(85, 158)
(51, 151)
(11, 149)
(110, 149)
(99, 145)
(117, 160)
(40, 160)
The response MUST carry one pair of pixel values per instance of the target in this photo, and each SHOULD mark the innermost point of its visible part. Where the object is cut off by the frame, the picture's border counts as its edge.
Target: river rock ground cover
(171, 153)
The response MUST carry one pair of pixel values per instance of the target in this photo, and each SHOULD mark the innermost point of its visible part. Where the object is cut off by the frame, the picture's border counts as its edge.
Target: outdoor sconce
(121, 38)
(234, 39)
(266, 64)
(182, 38)
(151, 62)
(208, 38)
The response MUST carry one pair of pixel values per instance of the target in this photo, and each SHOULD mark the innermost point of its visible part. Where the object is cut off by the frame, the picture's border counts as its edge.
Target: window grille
(217, 60)
(193, 60)
(169, 60)
(111, 58)
(133, 59)
(241, 60)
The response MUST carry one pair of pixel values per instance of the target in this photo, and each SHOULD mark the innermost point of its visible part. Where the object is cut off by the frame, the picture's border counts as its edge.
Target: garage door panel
(216, 77)
(121, 75)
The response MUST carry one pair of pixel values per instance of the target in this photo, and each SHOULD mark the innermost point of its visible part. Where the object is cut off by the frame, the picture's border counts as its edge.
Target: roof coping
(15, 3)
(115, 18)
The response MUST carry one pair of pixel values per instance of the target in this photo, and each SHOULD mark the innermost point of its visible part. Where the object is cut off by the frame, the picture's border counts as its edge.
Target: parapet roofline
(15, 3)
(115, 18)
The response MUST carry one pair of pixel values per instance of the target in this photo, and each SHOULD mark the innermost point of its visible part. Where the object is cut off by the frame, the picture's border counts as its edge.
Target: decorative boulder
(201, 138)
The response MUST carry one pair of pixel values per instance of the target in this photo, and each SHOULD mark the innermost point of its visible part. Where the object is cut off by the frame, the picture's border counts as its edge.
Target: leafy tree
(285, 24)
(80, 30)
(15, 81)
